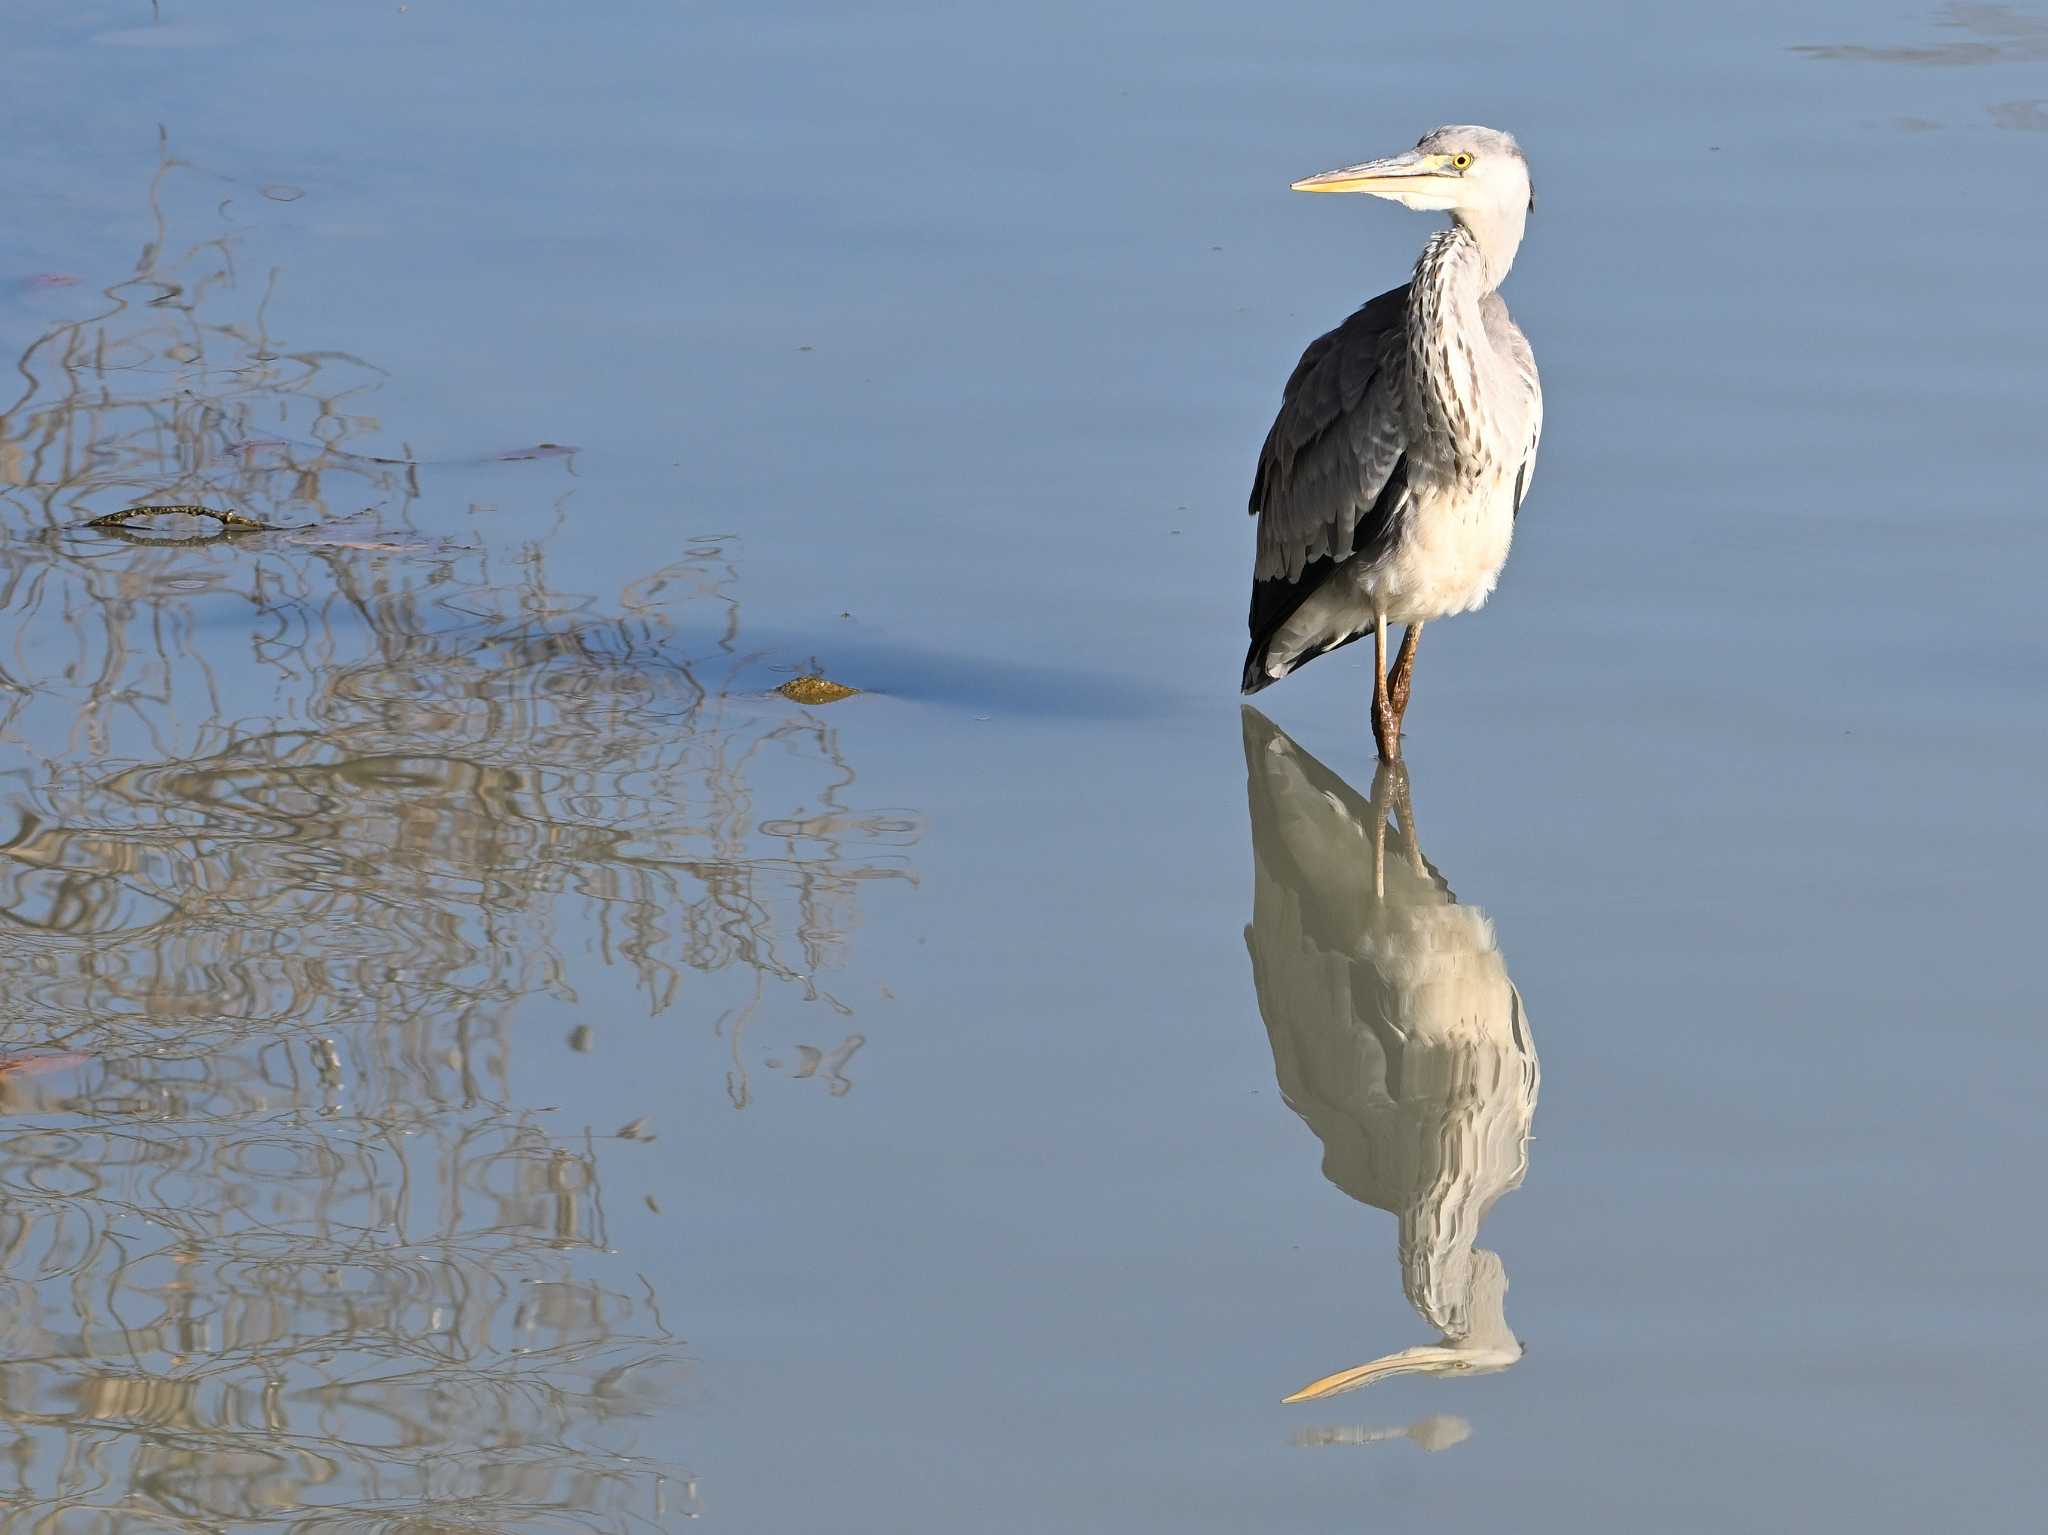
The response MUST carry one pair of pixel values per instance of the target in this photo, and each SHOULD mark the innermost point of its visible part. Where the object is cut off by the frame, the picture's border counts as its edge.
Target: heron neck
(1496, 236)
(1445, 330)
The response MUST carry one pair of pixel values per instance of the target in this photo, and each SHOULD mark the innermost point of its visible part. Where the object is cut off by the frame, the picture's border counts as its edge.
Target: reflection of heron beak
(1429, 1359)
(1391, 177)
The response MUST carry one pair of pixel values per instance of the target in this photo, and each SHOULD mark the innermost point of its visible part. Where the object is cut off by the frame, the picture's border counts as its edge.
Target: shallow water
(475, 1056)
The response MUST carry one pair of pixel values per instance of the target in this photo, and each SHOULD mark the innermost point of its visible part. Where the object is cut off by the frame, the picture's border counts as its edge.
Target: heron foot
(1399, 684)
(1386, 728)
(1401, 676)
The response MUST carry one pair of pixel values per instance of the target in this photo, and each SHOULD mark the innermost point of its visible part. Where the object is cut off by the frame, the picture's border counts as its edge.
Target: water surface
(475, 1056)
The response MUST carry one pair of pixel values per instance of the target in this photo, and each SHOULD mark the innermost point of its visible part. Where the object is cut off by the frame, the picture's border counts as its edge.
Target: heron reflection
(1397, 1035)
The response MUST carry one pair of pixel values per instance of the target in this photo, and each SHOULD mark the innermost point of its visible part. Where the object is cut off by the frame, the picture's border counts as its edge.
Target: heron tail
(1259, 669)
(1255, 676)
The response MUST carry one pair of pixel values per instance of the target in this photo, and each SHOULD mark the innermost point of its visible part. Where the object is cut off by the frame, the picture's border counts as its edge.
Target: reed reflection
(1397, 1036)
(294, 826)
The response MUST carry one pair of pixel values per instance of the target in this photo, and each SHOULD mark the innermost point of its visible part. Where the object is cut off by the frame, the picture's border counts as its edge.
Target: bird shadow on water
(1401, 1042)
(292, 831)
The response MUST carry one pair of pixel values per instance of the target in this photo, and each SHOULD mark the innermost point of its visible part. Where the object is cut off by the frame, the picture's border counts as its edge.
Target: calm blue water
(472, 1055)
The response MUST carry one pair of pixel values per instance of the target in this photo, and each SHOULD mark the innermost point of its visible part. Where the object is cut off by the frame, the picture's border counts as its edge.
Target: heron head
(1477, 172)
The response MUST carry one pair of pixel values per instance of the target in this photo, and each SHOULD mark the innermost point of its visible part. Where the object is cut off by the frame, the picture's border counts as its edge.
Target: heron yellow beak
(1389, 177)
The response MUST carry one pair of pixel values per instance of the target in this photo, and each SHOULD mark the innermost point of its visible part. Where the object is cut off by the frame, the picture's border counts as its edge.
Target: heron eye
(1459, 162)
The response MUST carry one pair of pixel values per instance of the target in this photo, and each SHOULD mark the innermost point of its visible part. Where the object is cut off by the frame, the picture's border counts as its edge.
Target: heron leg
(1386, 724)
(1402, 678)
(1379, 842)
(1390, 788)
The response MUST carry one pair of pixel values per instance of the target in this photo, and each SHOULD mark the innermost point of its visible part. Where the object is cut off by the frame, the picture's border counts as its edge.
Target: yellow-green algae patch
(815, 690)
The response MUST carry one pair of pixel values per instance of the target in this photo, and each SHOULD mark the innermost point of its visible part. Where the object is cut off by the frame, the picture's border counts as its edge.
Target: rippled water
(305, 827)
(474, 1056)
(301, 827)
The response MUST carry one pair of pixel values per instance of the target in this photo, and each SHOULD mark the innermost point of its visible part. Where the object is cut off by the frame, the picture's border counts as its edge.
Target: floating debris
(538, 450)
(226, 519)
(636, 1131)
(583, 1039)
(308, 534)
(812, 689)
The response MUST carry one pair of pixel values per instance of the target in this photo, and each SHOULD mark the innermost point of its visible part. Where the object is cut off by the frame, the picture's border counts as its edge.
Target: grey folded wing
(1331, 484)
(1513, 348)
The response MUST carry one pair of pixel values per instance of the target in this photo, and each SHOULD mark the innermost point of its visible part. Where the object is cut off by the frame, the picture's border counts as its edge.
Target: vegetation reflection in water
(294, 825)
(1400, 1040)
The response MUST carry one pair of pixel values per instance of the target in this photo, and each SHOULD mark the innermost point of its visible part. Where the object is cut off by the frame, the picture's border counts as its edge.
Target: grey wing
(1526, 388)
(1331, 484)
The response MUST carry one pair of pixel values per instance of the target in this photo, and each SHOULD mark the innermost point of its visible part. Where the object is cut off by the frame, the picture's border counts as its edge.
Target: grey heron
(1388, 487)
(1397, 1036)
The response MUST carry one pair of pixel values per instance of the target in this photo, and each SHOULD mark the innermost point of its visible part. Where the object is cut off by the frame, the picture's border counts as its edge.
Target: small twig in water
(128, 514)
